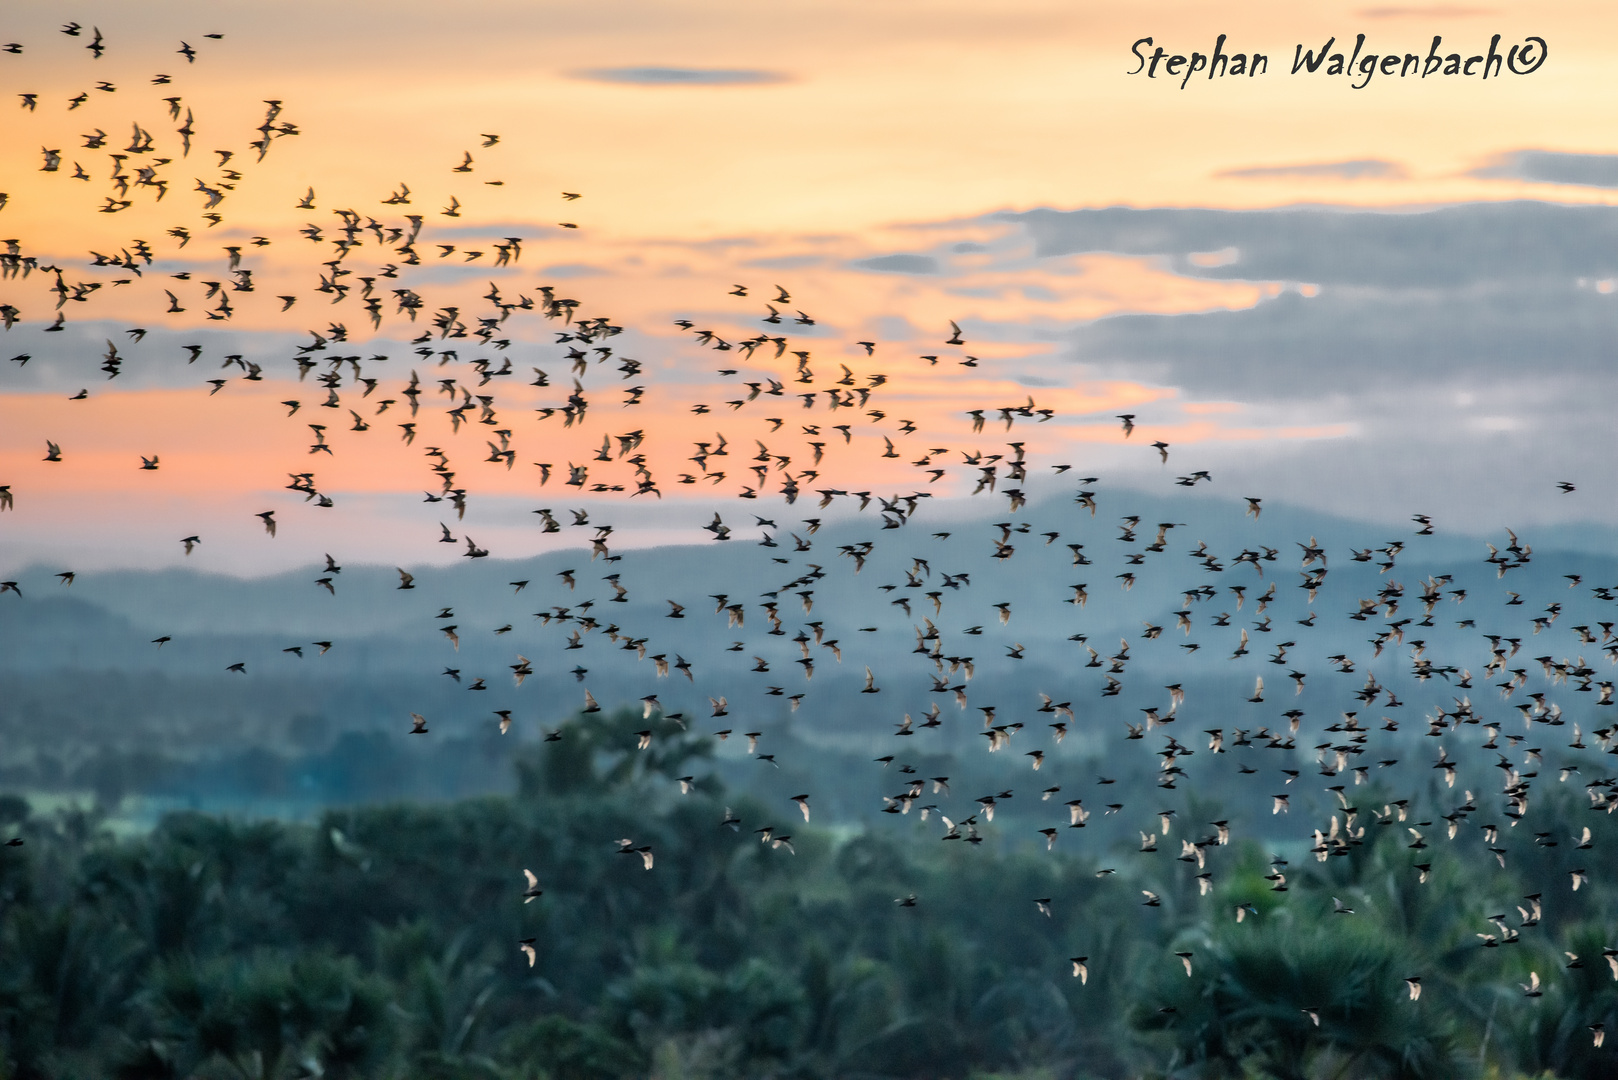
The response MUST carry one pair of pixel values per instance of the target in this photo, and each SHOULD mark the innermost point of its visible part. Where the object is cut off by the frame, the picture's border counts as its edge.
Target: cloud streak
(1550, 167)
(1357, 169)
(900, 264)
(1445, 248)
(680, 76)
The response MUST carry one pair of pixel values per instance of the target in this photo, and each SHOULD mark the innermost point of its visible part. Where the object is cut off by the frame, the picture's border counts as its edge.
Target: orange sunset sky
(713, 144)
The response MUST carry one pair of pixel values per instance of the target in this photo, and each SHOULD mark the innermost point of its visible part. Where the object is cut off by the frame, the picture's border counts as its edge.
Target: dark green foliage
(381, 941)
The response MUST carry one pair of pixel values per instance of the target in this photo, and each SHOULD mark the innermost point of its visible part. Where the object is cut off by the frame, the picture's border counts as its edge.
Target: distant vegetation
(383, 942)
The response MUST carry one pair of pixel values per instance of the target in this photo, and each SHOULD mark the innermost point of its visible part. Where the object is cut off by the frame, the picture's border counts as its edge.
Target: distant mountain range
(81, 676)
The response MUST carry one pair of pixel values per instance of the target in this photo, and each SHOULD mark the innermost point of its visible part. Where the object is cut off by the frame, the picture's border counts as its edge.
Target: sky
(1372, 300)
